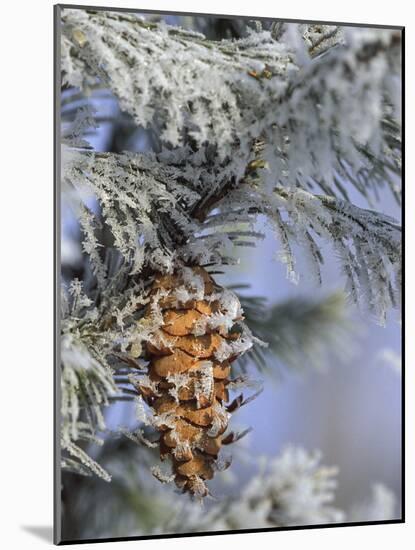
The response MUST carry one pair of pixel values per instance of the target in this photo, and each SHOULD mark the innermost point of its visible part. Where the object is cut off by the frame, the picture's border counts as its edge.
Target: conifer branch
(316, 117)
(277, 123)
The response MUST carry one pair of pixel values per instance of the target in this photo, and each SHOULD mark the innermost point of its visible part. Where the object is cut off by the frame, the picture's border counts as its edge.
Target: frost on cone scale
(200, 334)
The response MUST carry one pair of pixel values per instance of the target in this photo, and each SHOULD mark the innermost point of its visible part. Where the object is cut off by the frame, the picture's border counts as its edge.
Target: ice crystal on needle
(321, 121)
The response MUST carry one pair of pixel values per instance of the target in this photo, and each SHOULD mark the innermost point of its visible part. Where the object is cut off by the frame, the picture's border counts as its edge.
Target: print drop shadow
(43, 532)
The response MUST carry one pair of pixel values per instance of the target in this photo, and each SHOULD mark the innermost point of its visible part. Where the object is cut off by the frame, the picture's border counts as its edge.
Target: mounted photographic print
(228, 246)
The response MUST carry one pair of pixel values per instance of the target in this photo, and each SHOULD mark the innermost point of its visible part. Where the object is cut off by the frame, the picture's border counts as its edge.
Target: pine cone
(188, 373)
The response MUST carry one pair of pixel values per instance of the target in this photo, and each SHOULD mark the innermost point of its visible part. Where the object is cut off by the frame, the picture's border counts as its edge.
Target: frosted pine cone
(200, 334)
